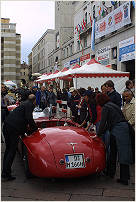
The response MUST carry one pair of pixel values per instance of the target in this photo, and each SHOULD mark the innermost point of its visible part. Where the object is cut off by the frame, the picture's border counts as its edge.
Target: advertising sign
(74, 61)
(85, 57)
(127, 49)
(103, 55)
(67, 64)
(113, 21)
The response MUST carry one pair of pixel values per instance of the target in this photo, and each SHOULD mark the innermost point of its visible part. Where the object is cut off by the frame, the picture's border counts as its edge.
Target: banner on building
(85, 57)
(75, 61)
(127, 49)
(103, 55)
(67, 64)
(93, 36)
(113, 21)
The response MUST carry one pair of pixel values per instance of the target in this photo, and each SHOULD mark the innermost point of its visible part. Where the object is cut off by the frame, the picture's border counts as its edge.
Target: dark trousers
(11, 141)
(124, 168)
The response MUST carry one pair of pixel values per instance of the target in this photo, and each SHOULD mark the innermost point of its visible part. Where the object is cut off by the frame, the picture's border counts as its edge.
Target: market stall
(94, 74)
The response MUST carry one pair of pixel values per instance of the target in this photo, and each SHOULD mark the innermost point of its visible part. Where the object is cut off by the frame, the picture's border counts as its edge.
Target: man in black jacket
(73, 102)
(114, 96)
(15, 125)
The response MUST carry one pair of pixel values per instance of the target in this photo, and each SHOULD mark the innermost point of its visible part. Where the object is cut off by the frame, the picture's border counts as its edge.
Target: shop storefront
(127, 55)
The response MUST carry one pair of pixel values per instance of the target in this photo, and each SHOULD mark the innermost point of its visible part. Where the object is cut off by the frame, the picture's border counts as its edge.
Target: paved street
(92, 188)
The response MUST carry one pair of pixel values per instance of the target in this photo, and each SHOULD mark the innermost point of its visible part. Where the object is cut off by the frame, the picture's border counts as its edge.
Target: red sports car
(59, 149)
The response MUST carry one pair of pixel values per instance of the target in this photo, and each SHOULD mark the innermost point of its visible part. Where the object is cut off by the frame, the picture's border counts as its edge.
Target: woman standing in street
(113, 119)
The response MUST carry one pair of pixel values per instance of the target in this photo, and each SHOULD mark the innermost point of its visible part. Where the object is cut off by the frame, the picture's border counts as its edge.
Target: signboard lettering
(113, 21)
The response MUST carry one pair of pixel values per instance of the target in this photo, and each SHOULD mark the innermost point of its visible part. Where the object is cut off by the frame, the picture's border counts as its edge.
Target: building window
(114, 53)
(67, 52)
(56, 60)
(24, 73)
(86, 18)
(64, 53)
(78, 46)
(71, 50)
(85, 42)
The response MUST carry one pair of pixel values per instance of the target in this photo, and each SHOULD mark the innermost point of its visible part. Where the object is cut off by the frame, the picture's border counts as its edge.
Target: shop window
(114, 66)
(114, 53)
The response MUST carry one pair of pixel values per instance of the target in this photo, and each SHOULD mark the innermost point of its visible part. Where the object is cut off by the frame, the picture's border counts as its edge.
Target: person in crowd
(4, 104)
(106, 135)
(96, 91)
(34, 89)
(43, 98)
(51, 100)
(73, 101)
(11, 97)
(64, 97)
(130, 86)
(69, 94)
(103, 89)
(37, 93)
(114, 96)
(82, 107)
(22, 92)
(89, 88)
(59, 94)
(129, 113)
(113, 119)
(15, 125)
(133, 89)
(91, 109)
(64, 94)
(92, 89)
(129, 107)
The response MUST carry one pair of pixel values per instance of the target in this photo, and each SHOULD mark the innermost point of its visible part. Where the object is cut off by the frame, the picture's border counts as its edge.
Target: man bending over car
(15, 125)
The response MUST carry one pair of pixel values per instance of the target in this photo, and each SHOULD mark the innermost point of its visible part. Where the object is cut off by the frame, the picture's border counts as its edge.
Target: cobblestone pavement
(91, 188)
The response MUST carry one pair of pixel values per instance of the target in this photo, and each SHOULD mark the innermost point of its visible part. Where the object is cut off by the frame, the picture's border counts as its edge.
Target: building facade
(114, 35)
(24, 72)
(41, 50)
(10, 51)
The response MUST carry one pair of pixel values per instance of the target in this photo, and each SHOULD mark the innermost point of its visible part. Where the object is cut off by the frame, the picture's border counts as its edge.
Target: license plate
(75, 161)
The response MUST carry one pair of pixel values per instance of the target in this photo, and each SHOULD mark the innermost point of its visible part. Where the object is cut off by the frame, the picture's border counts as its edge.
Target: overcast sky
(32, 19)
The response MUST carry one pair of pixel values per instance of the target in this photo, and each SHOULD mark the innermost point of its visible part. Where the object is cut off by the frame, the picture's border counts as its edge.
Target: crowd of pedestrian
(112, 116)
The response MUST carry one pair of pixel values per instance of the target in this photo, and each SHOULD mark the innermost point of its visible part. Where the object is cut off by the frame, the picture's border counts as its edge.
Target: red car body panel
(50, 145)
(47, 147)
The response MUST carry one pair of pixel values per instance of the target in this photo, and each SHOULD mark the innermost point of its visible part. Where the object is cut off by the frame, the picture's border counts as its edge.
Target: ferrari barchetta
(60, 149)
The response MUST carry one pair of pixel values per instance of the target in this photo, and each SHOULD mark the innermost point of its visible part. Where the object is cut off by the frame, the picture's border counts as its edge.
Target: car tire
(28, 174)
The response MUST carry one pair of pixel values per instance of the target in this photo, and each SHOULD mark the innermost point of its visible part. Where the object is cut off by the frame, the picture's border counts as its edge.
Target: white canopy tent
(91, 74)
(94, 74)
(10, 84)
